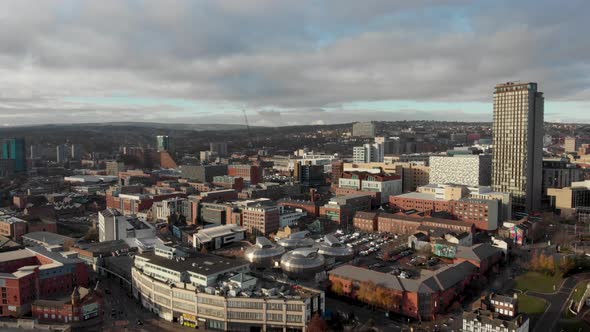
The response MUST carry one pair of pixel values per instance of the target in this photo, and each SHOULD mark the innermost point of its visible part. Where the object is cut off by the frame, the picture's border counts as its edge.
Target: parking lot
(388, 253)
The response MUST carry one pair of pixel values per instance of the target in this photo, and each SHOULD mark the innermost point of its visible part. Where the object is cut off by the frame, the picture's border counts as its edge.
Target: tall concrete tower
(518, 143)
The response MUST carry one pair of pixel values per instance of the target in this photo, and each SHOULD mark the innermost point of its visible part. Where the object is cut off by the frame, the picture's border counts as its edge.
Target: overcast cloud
(285, 62)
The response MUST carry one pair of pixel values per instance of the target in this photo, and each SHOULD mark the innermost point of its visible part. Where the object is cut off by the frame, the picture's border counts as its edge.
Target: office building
(63, 153)
(560, 173)
(15, 149)
(571, 144)
(114, 226)
(250, 173)
(76, 151)
(7, 167)
(215, 237)
(486, 214)
(381, 185)
(114, 167)
(341, 209)
(163, 143)
(261, 220)
(218, 148)
(468, 170)
(363, 129)
(178, 206)
(518, 143)
(203, 173)
(368, 153)
(570, 198)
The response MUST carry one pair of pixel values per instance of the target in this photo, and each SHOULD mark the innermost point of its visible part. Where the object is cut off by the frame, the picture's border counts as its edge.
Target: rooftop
(208, 234)
(478, 252)
(47, 238)
(427, 282)
(203, 264)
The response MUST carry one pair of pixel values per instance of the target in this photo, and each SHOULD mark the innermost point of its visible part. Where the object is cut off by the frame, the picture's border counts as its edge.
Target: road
(131, 312)
(558, 301)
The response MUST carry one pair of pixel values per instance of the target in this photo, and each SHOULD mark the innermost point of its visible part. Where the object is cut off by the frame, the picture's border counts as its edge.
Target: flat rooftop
(204, 264)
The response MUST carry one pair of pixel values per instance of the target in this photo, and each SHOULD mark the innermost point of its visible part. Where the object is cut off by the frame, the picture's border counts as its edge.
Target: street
(131, 311)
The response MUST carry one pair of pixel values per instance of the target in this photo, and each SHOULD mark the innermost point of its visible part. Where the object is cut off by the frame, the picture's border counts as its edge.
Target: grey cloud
(301, 56)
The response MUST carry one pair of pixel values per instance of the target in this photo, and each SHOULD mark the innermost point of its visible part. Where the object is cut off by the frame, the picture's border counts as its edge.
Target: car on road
(139, 322)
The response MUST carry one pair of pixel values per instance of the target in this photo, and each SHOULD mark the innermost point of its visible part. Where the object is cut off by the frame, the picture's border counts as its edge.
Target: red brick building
(312, 208)
(251, 173)
(13, 227)
(422, 298)
(482, 212)
(34, 273)
(365, 221)
(83, 304)
(403, 224)
(261, 219)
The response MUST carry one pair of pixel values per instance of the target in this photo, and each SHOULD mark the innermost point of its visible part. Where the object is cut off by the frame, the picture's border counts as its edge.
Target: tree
(317, 324)
(337, 287)
(92, 234)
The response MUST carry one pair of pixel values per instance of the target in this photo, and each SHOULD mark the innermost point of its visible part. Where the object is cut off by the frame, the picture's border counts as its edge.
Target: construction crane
(250, 144)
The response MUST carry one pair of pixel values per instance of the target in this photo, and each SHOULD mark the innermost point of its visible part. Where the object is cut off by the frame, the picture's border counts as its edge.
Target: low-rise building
(35, 273)
(422, 298)
(114, 226)
(342, 209)
(83, 304)
(365, 221)
(218, 236)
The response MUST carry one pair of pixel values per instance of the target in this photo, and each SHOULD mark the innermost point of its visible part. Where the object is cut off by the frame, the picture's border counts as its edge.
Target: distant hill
(152, 125)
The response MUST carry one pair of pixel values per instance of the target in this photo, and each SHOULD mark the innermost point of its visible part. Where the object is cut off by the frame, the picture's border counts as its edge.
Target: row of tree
(372, 294)
(546, 263)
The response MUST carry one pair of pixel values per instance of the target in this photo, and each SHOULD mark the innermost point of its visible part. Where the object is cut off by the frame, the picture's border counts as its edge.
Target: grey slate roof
(428, 282)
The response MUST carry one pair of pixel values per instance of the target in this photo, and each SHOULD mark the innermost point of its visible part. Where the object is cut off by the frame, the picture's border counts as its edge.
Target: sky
(287, 62)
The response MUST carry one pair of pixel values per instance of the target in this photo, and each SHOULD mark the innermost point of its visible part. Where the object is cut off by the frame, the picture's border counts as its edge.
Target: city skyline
(288, 64)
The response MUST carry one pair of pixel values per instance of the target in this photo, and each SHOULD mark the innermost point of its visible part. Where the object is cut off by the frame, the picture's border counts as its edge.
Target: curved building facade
(332, 247)
(264, 253)
(239, 305)
(302, 263)
(297, 240)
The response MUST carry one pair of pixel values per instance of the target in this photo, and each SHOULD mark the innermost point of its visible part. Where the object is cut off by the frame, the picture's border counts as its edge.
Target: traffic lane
(363, 315)
(132, 311)
(557, 303)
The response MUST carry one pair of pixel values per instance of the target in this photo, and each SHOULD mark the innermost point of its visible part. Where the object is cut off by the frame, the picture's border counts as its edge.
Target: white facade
(386, 188)
(164, 209)
(468, 170)
(112, 226)
(290, 217)
(368, 153)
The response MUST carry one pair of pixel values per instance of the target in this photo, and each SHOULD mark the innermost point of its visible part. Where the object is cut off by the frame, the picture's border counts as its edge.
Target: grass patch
(571, 325)
(581, 288)
(531, 305)
(537, 282)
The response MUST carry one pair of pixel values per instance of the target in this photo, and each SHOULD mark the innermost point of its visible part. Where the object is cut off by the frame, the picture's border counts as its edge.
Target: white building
(368, 153)
(114, 226)
(177, 205)
(386, 188)
(290, 217)
(218, 236)
(468, 170)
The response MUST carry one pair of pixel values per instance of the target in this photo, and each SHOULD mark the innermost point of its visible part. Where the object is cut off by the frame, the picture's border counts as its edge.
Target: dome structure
(302, 263)
(332, 247)
(297, 240)
(264, 253)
